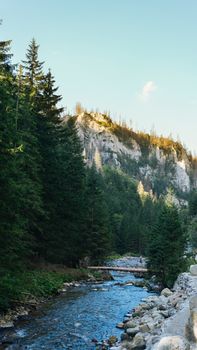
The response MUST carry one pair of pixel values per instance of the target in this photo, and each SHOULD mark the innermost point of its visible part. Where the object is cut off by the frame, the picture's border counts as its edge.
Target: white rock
(166, 292)
(193, 270)
(172, 343)
(9, 324)
(193, 302)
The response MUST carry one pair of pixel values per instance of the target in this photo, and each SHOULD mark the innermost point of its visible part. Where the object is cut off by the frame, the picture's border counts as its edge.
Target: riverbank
(26, 291)
(79, 317)
(163, 322)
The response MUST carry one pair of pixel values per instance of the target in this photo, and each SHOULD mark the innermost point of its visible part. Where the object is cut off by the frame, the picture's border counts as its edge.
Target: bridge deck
(117, 268)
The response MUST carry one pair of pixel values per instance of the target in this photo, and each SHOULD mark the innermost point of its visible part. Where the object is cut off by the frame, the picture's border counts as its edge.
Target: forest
(55, 209)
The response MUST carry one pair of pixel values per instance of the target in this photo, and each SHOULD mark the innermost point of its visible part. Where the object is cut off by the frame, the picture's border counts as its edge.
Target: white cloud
(148, 88)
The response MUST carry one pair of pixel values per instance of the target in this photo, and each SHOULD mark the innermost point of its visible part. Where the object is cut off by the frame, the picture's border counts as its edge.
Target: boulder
(144, 328)
(165, 314)
(193, 302)
(130, 324)
(172, 343)
(193, 270)
(191, 328)
(138, 342)
(9, 324)
(124, 336)
(166, 292)
(132, 331)
(120, 325)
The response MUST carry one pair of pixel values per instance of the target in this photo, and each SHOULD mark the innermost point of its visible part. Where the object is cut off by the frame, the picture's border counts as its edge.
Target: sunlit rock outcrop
(159, 163)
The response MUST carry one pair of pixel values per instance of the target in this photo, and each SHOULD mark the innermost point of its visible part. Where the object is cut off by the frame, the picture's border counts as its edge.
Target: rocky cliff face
(159, 164)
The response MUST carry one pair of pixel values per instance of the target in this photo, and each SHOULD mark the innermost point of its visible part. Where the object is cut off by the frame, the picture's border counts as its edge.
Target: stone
(144, 328)
(139, 283)
(9, 324)
(112, 340)
(124, 336)
(193, 302)
(132, 331)
(130, 324)
(138, 342)
(166, 292)
(165, 314)
(191, 329)
(120, 325)
(193, 270)
(172, 343)
(162, 307)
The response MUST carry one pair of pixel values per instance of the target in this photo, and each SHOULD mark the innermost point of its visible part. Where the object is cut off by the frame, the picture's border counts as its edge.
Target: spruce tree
(96, 240)
(124, 209)
(12, 220)
(166, 248)
(33, 69)
(49, 134)
(66, 213)
(5, 56)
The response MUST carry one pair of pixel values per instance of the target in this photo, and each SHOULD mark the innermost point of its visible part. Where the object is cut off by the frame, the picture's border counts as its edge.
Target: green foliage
(193, 203)
(146, 141)
(124, 210)
(96, 235)
(30, 284)
(192, 232)
(65, 200)
(166, 247)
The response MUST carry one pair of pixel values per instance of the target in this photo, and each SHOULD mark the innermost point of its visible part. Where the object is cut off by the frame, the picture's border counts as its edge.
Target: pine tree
(50, 100)
(12, 220)
(66, 213)
(49, 134)
(31, 103)
(97, 230)
(31, 163)
(124, 208)
(167, 246)
(5, 56)
(193, 203)
(33, 69)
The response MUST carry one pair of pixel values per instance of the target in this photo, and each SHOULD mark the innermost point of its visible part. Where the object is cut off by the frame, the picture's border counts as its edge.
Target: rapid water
(83, 313)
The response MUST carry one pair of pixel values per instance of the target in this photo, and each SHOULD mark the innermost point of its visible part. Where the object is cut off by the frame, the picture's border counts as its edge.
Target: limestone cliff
(158, 163)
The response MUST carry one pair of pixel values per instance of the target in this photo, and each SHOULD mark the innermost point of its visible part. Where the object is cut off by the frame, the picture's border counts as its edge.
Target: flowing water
(72, 320)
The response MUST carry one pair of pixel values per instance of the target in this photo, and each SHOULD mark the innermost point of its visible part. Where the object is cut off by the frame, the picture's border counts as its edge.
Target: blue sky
(136, 58)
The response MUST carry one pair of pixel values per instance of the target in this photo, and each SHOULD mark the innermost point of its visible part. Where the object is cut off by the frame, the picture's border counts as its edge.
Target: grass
(31, 284)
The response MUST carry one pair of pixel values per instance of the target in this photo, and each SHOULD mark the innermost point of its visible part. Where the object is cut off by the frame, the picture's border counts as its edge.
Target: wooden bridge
(117, 268)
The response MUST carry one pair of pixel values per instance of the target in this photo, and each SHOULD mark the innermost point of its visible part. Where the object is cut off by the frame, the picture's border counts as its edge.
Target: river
(88, 311)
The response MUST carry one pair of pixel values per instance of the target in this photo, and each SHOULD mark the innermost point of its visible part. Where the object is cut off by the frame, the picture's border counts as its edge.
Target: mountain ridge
(159, 163)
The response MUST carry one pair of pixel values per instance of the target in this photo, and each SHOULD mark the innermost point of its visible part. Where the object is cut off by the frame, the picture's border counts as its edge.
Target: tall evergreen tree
(166, 249)
(12, 221)
(33, 69)
(124, 207)
(5, 56)
(66, 213)
(96, 240)
(49, 134)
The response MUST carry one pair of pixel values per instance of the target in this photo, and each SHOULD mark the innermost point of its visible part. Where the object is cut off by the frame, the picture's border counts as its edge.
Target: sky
(134, 58)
